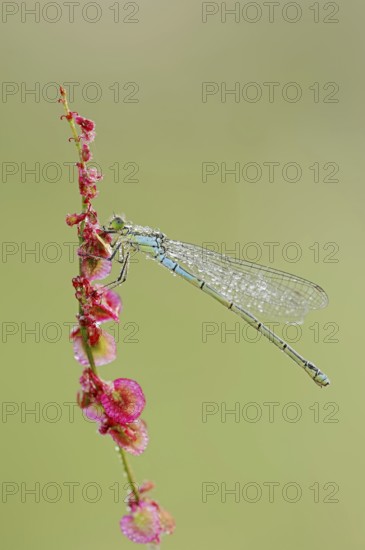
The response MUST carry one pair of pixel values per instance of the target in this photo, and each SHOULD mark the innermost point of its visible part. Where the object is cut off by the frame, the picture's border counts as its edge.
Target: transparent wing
(270, 293)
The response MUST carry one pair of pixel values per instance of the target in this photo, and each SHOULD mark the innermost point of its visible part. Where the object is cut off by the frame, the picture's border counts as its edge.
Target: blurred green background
(314, 441)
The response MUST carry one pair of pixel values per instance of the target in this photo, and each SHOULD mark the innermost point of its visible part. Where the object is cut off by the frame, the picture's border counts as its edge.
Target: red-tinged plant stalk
(116, 406)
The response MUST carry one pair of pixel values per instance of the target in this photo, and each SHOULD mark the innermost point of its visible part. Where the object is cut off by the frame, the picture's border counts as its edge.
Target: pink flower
(146, 522)
(88, 177)
(123, 401)
(95, 251)
(102, 345)
(89, 398)
(167, 521)
(109, 306)
(142, 525)
(86, 153)
(86, 294)
(98, 303)
(145, 487)
(87, 127)
(90, 215)
(95, 268)
(72, 219)
(91, 383)
(133, 438)
(116, 406)
(96, 242)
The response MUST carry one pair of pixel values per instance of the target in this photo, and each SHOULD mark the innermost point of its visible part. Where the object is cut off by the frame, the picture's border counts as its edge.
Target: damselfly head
(117, 223)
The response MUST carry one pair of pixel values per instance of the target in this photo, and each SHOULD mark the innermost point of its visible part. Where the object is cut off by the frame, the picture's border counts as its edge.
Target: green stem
(83, 330)
(132, 483)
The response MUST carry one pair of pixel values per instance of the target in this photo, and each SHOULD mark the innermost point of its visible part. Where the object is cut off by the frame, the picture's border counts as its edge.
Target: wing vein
(270, 293)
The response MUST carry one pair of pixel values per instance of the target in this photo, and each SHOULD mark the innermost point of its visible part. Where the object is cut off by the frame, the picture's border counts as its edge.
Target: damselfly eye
(117, 223)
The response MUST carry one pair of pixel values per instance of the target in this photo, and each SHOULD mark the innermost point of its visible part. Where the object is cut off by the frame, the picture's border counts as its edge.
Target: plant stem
(83, 330)
(76, 138)
(132, 483)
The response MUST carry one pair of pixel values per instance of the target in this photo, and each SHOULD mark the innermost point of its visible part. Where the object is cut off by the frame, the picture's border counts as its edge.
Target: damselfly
(243, 287)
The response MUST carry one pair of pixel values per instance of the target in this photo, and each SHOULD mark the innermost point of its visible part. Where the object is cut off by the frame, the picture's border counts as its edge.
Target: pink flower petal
(91, 383)
(142, 525)
(124, 402)
(167, 521)
(95, 268)
(95, 412)
(109, 308)
(133, 438)
(85, 123)
(146, 486)
(94, 243)
(72, 219)
(104, 351)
